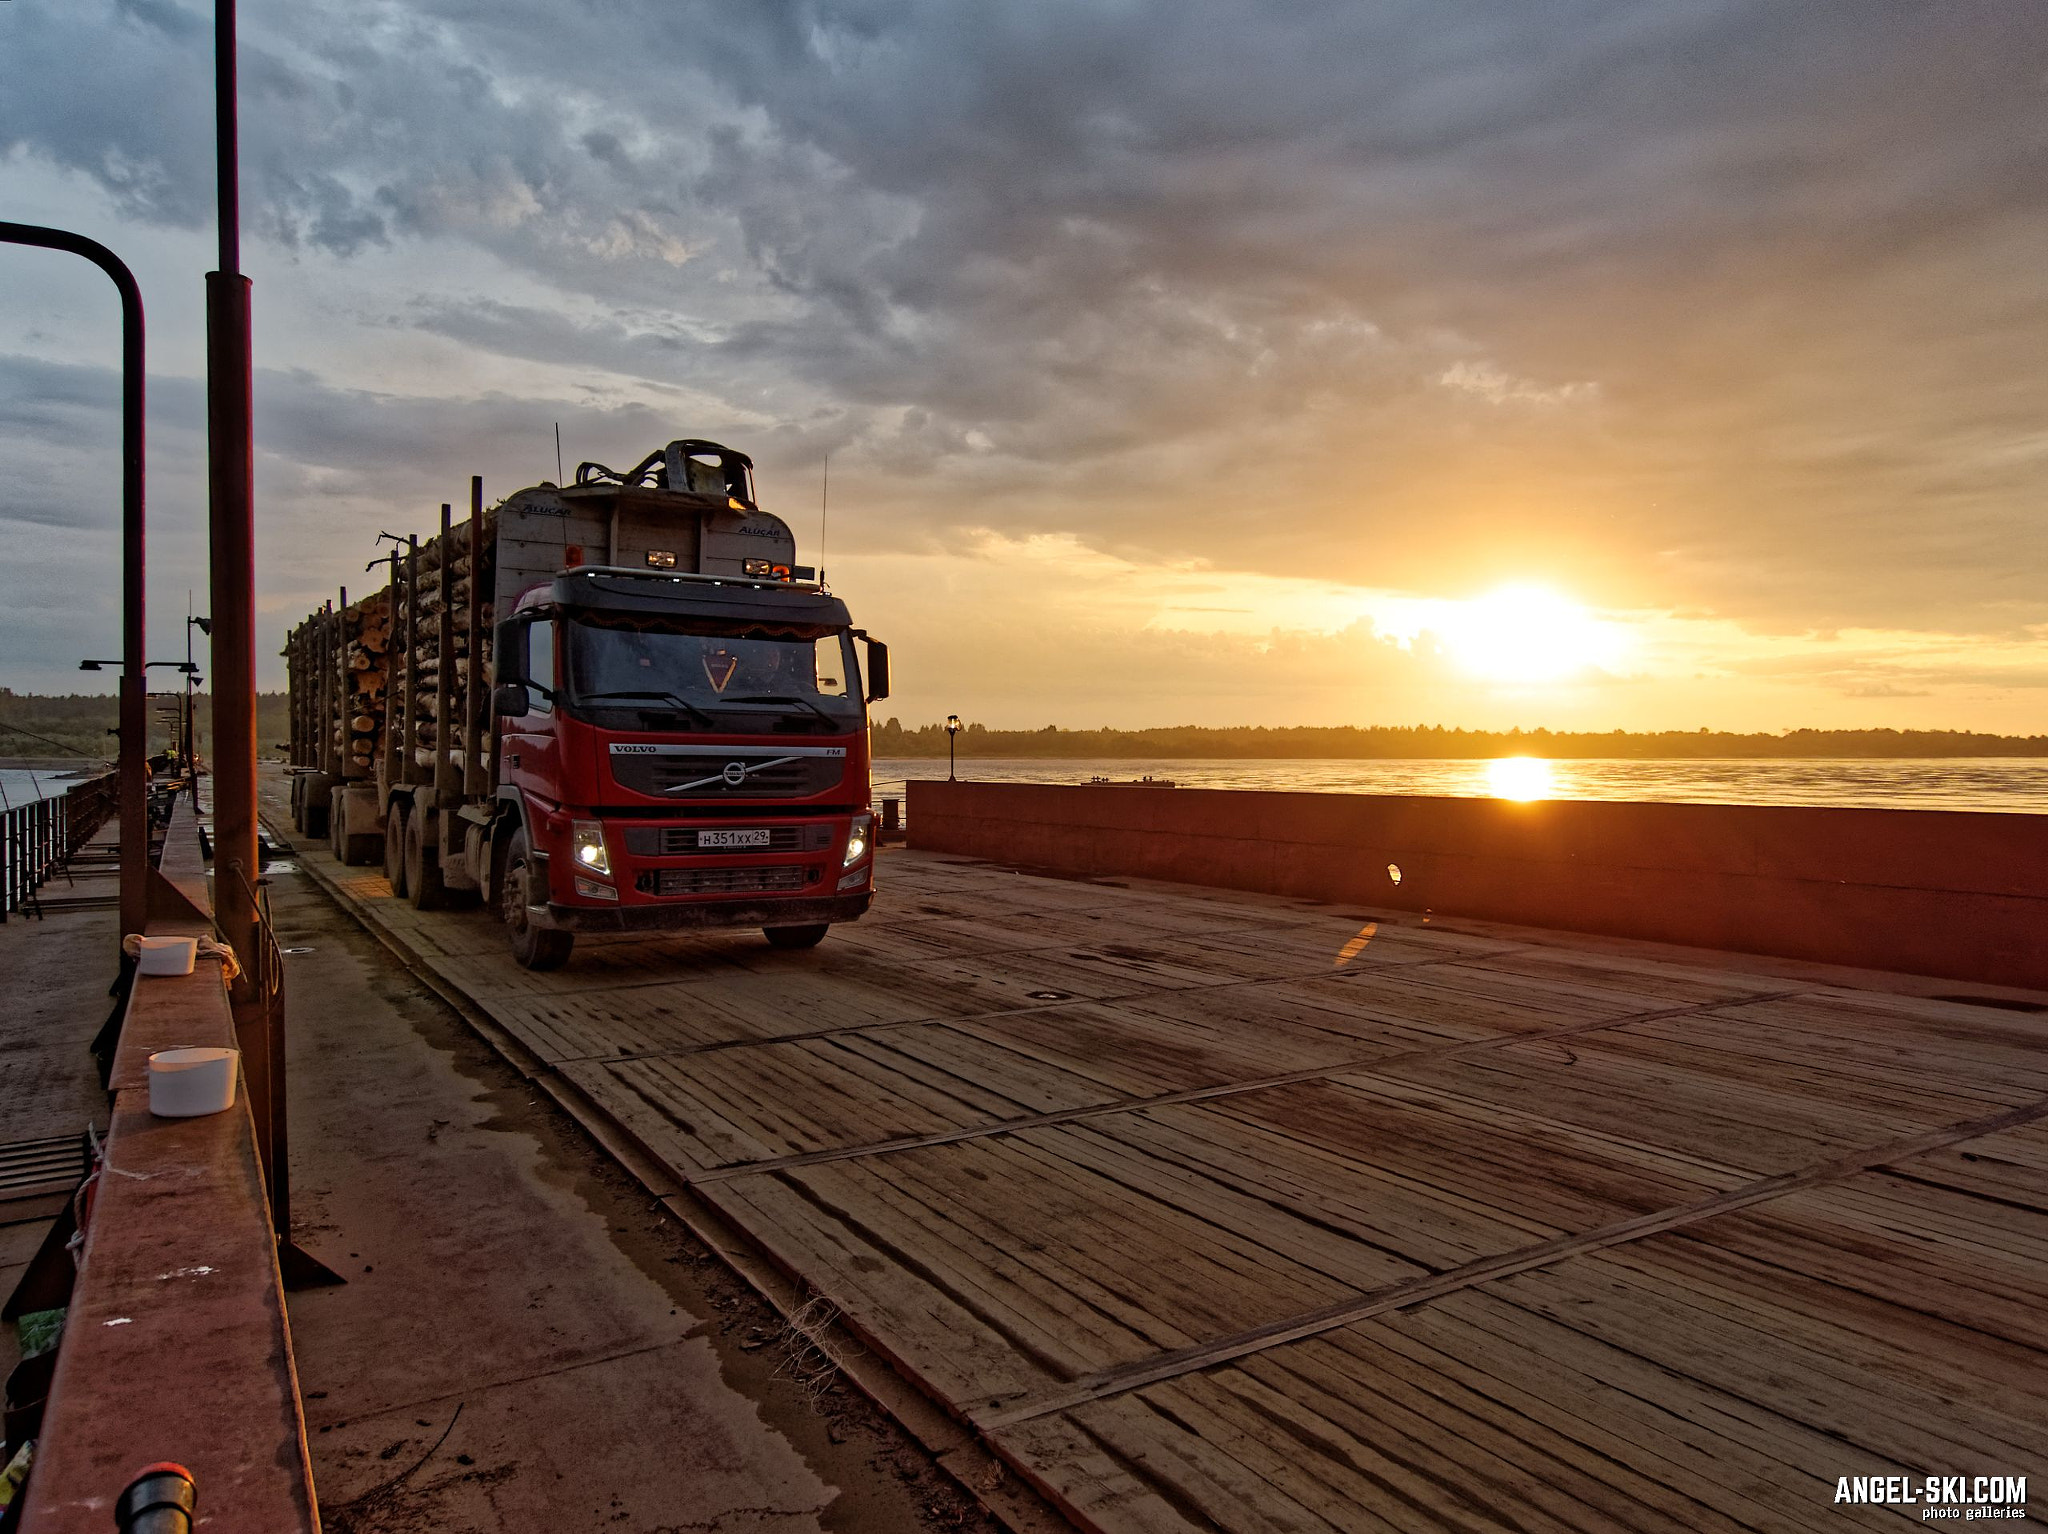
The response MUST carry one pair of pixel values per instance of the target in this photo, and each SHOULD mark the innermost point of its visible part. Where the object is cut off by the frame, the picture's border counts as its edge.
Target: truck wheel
(796, 937)
(337, 823)
(423, 885)
(316, 816)
(394, 847)
(534, 947)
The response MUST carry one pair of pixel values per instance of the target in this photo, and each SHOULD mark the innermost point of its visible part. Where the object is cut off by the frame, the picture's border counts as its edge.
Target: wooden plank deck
(1212, 1211)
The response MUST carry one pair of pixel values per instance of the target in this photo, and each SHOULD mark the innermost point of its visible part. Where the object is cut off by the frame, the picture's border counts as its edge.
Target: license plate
(754, 838)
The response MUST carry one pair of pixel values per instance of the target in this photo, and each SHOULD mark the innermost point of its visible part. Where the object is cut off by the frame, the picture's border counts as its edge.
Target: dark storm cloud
(1717, 302)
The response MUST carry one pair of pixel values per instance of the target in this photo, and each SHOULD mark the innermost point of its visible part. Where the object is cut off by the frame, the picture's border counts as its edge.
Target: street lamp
(952, 729)
(191, 754)
(184, 666)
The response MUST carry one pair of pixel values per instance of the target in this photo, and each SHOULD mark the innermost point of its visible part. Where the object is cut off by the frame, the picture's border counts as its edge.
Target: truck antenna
(558, 455)
(824, 500)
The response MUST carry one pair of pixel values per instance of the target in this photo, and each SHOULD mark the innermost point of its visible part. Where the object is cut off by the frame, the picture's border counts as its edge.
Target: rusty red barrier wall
(1956, 894)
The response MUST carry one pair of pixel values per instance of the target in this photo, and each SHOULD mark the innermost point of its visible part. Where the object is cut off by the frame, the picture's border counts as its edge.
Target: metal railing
(192, 1195)
(37, 839)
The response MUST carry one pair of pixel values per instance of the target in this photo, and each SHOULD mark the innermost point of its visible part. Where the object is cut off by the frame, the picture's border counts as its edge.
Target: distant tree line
(76, 724)
(79, 724)
(1434, 741)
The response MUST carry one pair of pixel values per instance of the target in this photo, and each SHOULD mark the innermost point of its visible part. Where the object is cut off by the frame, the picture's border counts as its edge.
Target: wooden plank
(1199, 1471)
(1542, 1255)
(2010, 1168)
(1336, 1006)
(1766, 1471)
(908, 1317)
(1828, 1376)
(1749, 1049)
(1417, 995)
(1063, 1315)
(1012, 1210)
(1689, 1111)
(1760, 1034)
(1666, 980)
(1538, 1178)
(1379, 1419)
(1276, 1184)
(1859, 1249)
(1564, 997)
(1133, 1050)
(1100, 1491)
(716, 1108)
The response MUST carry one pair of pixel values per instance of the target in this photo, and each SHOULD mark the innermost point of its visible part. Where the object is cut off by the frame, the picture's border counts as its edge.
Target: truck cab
(683, 750)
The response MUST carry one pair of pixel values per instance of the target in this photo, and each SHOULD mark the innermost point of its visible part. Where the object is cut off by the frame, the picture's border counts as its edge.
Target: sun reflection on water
(1518, 777)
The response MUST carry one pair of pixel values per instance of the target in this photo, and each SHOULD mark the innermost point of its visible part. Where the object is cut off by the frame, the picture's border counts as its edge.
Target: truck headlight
(859, 837)
(586, 846)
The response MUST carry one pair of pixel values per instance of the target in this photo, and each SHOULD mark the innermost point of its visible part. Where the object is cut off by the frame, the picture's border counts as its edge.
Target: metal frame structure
(134, 702)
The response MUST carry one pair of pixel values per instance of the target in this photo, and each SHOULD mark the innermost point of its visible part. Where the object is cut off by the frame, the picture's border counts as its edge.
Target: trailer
(619, 705)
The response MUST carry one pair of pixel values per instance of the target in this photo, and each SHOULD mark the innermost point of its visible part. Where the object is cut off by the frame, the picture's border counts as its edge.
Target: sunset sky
(1643, 364)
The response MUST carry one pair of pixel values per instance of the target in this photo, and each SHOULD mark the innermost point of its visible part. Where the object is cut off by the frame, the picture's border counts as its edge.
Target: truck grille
(681, 841)
(725, 881)
(663, 777)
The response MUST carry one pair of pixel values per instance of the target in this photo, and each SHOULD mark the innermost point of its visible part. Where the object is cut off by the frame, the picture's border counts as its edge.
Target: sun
(1525, 633)
(1518, 777)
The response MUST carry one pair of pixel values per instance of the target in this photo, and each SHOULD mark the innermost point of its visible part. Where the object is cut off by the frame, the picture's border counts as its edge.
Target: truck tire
(351, 850)
(394, 847)
(315, 816)
(796, 937)
(423, 886)
(534, 947)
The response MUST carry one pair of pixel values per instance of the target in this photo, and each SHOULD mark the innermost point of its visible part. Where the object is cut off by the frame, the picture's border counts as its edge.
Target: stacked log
(365, 681)
(367, 628)
(425, 658)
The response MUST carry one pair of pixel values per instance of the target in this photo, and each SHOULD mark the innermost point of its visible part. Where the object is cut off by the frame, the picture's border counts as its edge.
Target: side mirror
(511, 700)
(508, 652)
(878, 670)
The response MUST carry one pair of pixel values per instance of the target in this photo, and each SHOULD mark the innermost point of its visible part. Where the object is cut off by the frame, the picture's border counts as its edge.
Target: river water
(1961, 783)
(18, 785)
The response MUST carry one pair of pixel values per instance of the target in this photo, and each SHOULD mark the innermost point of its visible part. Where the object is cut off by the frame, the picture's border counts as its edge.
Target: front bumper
(710, 913)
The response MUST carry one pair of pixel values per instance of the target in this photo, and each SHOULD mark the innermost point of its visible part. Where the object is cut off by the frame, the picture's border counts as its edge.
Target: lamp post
(192, 684)
(952, 729)
(134, 790)
(191, 754)
(185, 666)
(232, 525)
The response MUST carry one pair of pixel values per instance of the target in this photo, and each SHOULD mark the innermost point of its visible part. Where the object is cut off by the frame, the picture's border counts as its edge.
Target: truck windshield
(810, 678)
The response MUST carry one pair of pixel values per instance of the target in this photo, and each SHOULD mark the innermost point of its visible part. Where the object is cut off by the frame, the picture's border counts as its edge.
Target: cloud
(1712, 304)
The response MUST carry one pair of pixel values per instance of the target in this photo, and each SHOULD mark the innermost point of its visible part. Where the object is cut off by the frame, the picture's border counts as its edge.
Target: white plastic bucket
(167, 955)
(185, 1083)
